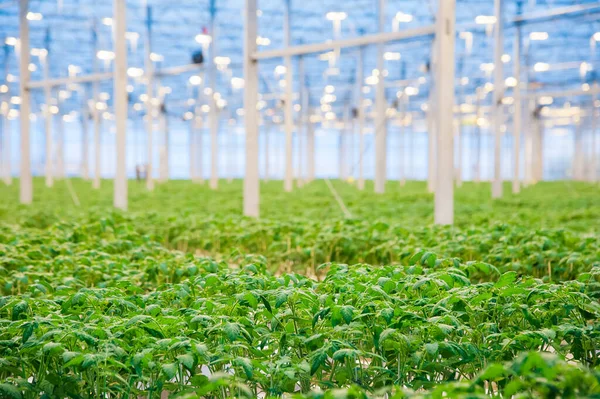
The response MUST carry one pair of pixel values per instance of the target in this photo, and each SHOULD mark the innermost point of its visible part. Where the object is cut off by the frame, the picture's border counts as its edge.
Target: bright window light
(402, 17)
(195, 80)
(34, 16)
(391, 56)
(541, 67)
(485, 19)
(538, 36)
(336, 16)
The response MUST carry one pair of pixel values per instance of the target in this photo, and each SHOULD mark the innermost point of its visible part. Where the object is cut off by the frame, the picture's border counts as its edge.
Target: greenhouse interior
(360, 199)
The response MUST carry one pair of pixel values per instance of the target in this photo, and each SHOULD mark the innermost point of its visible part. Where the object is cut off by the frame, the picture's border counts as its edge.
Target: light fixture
(280, 70)
(133, 72)
(487, 67)
(545, 100)
(263, 41)
(222, 62)
(336, 16)
(195, 80)
(538, 36)
(510, 81)
(73, 70)
(154, 57)
(105, 55)
(204, 39)
(541, 67)
(402, 17)
(129, 88)
(585, 87)
(32, 68)
(11, 41)
(488, 87)
(372, 80)
(207, 91)
(596, 36)
(107, 21)
(485, 19)
(39, 52)
(329, 89)
(188, 116)
(15, 100)
(464, 81)
(391, 56)
(505, 58)
(100, 106)
(237, 83)
(205, 108)
(3, 89)
(34, 16)
(411, 91)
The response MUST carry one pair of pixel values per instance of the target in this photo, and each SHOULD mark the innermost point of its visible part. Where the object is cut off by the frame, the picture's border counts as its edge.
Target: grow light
(195, 80)
(263, 41)
(392, 56)
(485, 19)
(156, 57)
(411, 91)
(237, 83)
(11, 41)
(34, 16)
(133, 72)
(510, 81)
(402, 17)
(336, 16)
(538, 36)
(541, 67)
(105, 55)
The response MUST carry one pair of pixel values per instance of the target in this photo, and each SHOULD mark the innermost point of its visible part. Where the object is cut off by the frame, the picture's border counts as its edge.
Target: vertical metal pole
(577, 164)
(60, 145)
(6, 161)
(310, 150)
(120, 103)
(361, 117)
(96, 112)
(149, 102)
(431, 120)
(26, 181)
(251, 178)
(267, 129)
(498, 94)
(380, 113)
(516, 183)
(594, 156)
(459, 127)
(538, 148)
(199, 149)
(342, 145)
(444, 187)
(301, 119)
(214, 112)
(402, 150)
(287, 106)
(48, 115)
(192, 149)
(84, 142)
(477, 163)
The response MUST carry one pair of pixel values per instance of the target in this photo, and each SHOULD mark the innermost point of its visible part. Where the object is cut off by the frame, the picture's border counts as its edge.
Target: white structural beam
(288, 114)
(48, 172)
(5, 166)
(310, 151)
(85, 144)
(149, 103)
(377, 38)
(60, 146)
(120, 103)
(178, 70)
(198, 127)
(594, 156)
(538, 141)
(214, 112)
(577, 160)
(26, 181)
(95, 77)
(543, 16)
(302, 121)
(518, 108)
(445, 38)
(497, 98)
(402, 150)
(251, 178)
(267, 129)
(96, 113)
(381, 108)
(431, 119)
(360, 116)
(478, 113)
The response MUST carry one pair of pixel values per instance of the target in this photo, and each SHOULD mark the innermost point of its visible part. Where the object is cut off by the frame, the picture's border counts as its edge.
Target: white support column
(516, 183)
(444, 187)
(192, 148)
(251, 178)
(60, 145)
(477, 163)
(214, 112)
(48, 167)
(5, 147)
(538, 157)
(310, 151)
(149, 103)
(402, 150)
(25, 179)
(267, 133)
(302, 121)
(577, 160)
(497, 99)
(164, 141)
(85, 145)
(594, 150)
(288, 114)
(96, 114)
(431, 119)
(361, 117)
(198, 126)
(342, 146)
(120, 103)
(460, 138)
(380, 111)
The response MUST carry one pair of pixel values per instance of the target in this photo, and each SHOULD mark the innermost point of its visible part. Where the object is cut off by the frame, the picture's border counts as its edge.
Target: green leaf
(318, 360)
(19, 310)
(187, 360)
(506, 279)
(246, 365)
(232, 330)
(281, 298)
(53, 348)
(8, 391)
(347, 313)
(432, 348)
(170, 370)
